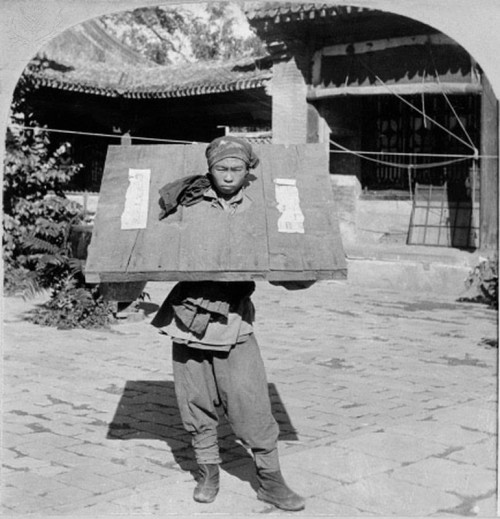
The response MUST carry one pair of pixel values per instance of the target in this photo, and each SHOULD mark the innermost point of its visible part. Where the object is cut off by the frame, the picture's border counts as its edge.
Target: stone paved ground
(386, 402)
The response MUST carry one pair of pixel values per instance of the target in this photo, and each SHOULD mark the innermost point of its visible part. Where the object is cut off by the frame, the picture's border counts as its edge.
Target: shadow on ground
(148, 410)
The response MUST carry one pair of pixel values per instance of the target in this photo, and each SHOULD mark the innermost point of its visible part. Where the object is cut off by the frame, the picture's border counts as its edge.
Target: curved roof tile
(158, 81)
(87, 59)
(288, 11)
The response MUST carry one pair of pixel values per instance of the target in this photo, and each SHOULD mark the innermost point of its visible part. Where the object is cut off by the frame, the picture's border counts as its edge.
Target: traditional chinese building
(93, 87)
(406, 113)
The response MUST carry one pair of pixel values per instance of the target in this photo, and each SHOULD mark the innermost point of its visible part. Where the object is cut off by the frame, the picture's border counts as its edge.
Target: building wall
(369, 221)
(343, 119)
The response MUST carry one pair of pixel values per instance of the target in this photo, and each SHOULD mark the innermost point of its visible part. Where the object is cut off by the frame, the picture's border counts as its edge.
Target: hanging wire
(115, 136)
(423, 99)
(362, 154)
(436, 73)
(401, 98)
(222, 74)
(429, 165)
(407, 154)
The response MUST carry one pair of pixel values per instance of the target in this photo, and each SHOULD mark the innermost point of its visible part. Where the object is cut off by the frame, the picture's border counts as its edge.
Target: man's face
(228, 176)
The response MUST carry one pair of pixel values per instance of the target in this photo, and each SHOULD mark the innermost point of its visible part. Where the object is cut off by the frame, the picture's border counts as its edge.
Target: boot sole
(296, 508)
(207, 500)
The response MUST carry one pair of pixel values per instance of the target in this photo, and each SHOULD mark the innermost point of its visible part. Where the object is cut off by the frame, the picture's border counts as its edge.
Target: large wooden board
(202, 243)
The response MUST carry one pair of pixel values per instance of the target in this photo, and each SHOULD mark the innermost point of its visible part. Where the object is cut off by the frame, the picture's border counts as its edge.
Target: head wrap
(230, 146)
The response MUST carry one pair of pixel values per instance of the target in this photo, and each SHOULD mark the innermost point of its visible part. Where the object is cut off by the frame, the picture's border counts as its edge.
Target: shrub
(37, 216)
(19, 281)
(37, 221)
(483, 279)
(73, 305)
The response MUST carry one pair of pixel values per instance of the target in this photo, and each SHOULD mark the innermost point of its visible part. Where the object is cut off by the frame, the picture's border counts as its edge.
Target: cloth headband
(230, 146)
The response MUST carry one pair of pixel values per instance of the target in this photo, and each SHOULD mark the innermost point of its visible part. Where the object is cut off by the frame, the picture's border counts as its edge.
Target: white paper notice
(135, 212)
(287, 196)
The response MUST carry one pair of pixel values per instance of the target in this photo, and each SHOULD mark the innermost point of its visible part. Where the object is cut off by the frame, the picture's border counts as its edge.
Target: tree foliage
(38, 218)
(169, 35)
(36, 212)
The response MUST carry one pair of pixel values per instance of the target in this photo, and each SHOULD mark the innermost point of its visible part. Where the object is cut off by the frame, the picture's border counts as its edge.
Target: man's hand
(293, 285)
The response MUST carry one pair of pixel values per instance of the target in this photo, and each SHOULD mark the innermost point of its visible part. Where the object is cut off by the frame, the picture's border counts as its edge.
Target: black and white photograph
(249, 258)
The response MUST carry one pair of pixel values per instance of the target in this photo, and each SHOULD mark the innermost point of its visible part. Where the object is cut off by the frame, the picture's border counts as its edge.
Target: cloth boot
(273, 489)
(208, 483)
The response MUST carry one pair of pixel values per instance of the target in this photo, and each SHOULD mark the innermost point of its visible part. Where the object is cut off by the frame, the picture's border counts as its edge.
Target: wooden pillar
(126, 139)
(489, 168)
(317, 128)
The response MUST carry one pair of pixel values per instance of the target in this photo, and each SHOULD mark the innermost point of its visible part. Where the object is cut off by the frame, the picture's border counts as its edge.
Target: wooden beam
(363, 47)
(489, 168)
(165, 275)
(315, 93)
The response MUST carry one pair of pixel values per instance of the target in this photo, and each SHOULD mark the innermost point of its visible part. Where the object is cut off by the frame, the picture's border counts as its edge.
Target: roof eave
(138, 93)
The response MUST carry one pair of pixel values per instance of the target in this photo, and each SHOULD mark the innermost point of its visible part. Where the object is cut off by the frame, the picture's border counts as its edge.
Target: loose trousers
(236, 381)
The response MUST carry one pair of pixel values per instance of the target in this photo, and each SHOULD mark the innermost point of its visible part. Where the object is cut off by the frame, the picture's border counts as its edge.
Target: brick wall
(288, 90)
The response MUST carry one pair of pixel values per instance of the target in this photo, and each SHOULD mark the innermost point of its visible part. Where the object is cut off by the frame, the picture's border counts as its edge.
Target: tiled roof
(157, 81)
(287, 11)
(87, 59)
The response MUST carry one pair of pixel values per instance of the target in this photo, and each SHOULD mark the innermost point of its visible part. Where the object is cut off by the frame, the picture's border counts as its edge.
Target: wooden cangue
(288, 232)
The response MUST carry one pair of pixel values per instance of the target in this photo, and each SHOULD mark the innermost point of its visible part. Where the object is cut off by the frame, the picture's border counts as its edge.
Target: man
(216, 358)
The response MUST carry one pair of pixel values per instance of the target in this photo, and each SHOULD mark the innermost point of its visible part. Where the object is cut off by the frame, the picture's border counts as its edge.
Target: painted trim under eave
(362, 47)
(316, 93)
(184, 91)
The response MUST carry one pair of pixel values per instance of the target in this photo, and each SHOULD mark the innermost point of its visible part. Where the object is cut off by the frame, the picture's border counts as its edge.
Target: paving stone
(50, 439)
(138, 462)
(340, 465)
(447, 475)
(60, 496)
(25, 483)
(87, 479)
(330, 348)
(445, 433)
(397, 447)
(48, 471)
(93, 510)
(95, 450)
(36, 450)
(70, 506)
(134, 477)
(25, 463)
(487, 507)
(483, 454)
(60, 456)
(163, 500)
(305, 482)
(21, 504)
(105, 468)
(378, 494)
(475, 418)
(317, 507)
(16, 429)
